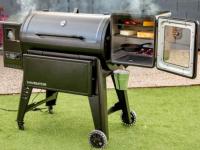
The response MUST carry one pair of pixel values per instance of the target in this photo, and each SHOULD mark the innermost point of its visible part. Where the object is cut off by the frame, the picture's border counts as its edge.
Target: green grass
(168, 119)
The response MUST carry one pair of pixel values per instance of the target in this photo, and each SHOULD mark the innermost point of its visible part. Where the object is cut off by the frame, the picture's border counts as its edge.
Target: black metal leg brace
(51, 103)
(98, 103)
(50, 93)
(122, 104)
(23, 105)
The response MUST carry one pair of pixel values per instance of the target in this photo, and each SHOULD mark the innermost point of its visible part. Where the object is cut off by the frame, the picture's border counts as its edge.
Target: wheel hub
(97, 140)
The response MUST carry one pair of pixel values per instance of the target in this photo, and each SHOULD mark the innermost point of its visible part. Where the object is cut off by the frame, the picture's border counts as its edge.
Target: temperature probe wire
(35, 109)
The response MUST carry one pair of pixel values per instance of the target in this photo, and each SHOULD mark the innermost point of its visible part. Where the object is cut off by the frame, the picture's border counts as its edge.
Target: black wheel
(21, 128)
(21, 125)
(133, 119)
(97, 139)
(50, 109)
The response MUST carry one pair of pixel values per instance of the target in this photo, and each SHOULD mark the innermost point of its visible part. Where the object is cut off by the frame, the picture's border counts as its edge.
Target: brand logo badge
(37, 83)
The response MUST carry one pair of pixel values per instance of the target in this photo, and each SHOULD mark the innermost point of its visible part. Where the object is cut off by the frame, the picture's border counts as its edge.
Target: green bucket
(121, 79)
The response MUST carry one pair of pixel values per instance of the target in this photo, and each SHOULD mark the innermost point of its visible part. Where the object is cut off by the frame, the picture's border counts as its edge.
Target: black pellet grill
(74, 53)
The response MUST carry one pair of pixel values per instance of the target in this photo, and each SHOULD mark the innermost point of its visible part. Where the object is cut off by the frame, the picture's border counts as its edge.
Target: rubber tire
(133, 119)
(97, 139)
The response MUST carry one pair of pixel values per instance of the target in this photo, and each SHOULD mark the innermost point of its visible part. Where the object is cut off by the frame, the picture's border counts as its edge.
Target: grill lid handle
(61, 36)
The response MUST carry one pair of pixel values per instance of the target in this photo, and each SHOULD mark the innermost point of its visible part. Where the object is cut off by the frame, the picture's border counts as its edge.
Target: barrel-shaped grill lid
(65, 29)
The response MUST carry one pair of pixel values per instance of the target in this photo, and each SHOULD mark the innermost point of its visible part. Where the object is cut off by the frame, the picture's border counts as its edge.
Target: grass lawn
(167, 119)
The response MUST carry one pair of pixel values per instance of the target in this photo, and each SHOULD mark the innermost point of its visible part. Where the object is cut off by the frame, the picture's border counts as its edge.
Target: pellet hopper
(74, 53)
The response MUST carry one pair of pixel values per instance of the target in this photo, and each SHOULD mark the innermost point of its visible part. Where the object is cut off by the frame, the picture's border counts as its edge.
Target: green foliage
(167, 119)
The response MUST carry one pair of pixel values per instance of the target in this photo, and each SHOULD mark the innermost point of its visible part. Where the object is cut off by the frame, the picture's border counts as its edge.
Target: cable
(9, 110)
(39, 109)
(32, 101)
(14, 110)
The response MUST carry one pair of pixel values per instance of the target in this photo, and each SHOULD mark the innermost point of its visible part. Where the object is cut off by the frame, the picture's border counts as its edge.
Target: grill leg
(99, 114)
(51, 103)
(24, 100)
(123, 102)
(98, 104)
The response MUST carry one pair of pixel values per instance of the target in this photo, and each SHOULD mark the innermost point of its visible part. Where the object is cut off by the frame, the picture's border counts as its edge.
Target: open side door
(177, 48)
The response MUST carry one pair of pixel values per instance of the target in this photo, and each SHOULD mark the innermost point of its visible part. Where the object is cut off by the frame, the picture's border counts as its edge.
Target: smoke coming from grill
(138, 7)
(27, 5)
(52, 5)
(91, 6)
(142, 6)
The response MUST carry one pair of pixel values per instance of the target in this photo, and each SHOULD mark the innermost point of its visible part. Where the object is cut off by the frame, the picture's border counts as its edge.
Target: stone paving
(11, 79)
